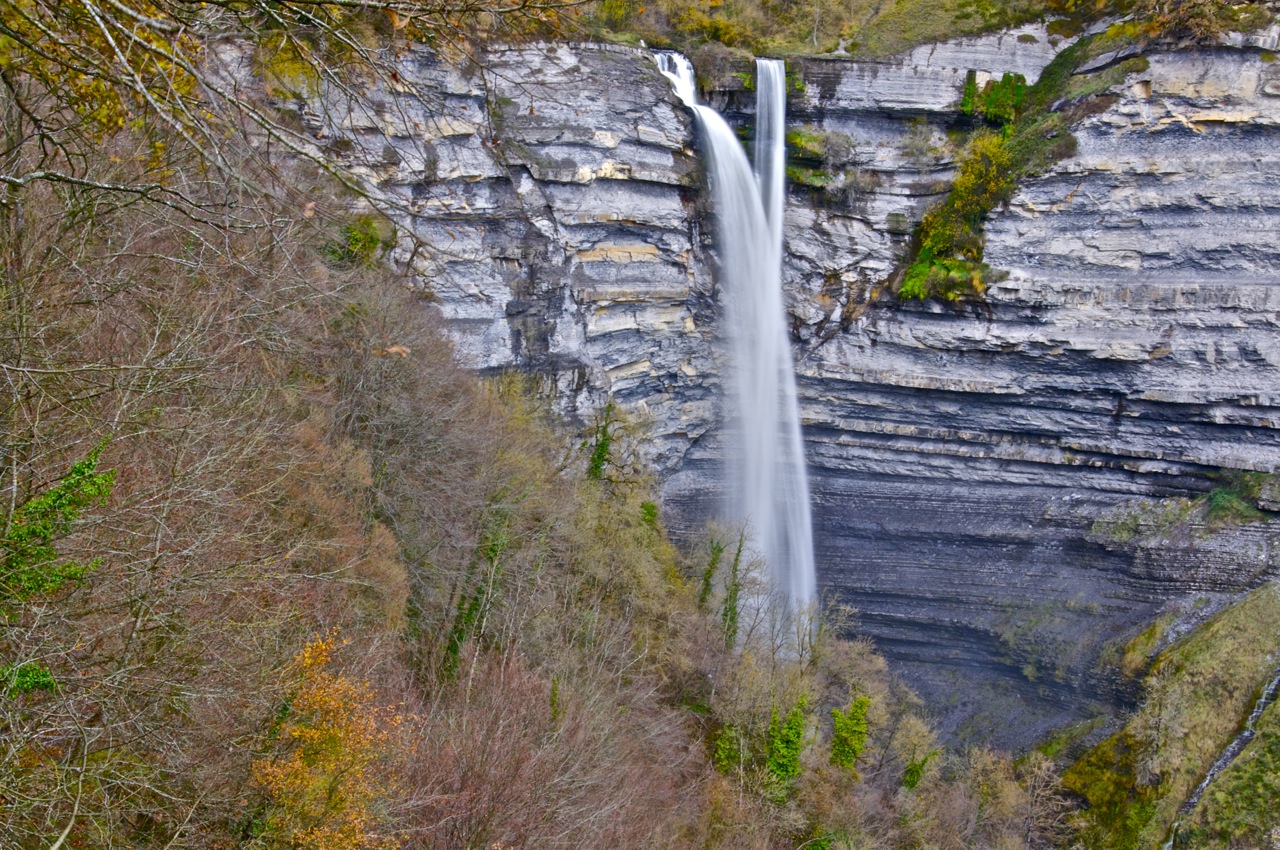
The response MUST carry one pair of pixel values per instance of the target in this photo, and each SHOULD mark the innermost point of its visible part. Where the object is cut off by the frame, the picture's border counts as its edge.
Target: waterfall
(770, 490)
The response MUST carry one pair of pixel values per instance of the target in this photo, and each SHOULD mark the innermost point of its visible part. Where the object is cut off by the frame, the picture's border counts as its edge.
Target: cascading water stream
(771, 490)
(1228, 755)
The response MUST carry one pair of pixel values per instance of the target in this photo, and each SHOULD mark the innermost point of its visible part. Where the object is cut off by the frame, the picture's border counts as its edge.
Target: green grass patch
(1063, 740)
(1120, 808)
(1138, 651)
(1237, 501)
(867, 29)
(897, 27)
(1197, 695)
(944, 277)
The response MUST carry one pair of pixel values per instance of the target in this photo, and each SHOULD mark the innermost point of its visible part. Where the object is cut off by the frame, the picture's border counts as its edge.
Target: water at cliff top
(770, 485)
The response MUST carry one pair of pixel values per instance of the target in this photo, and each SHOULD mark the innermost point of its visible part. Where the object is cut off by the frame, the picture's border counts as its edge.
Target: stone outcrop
(549, 202)
(961, 457)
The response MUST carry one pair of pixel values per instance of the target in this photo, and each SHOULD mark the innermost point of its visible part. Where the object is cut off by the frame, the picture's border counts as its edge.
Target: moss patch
(1197, 695)
(1069, 738)
(1239, 808)
(1241, 498)
(820, 160)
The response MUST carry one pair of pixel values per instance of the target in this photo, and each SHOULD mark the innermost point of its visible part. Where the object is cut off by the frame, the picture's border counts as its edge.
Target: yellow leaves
(90, 67)
(316, 654)
(288, 65)
(397, 23)
(984, 177)
(105, 64)
(324, 776)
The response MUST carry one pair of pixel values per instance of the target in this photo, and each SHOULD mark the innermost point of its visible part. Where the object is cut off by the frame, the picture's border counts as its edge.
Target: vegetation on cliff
(865, 29)
(1197, 694)
(276, 573)
(1024, 130)
(861, 28)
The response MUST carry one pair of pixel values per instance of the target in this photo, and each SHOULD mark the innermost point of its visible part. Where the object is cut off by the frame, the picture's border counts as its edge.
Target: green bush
(914, 771)
(849, 733)
(999, 101)
(727, 751)
(969, 100)
(785, 743)
(947, 279)
(709, 572)
(360, 244)
(1236, 502)
(602, 446)
(19, 679)
(1002, 101)
(30, 566)
(729, 612)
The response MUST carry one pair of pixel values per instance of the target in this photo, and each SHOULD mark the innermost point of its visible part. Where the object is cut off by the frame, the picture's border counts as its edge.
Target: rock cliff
(963, 455)
(550, 206)
(960, 456)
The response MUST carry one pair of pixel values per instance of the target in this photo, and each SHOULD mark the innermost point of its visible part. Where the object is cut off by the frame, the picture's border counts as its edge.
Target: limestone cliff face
(960, 456)
(549, 202)
(963, 455)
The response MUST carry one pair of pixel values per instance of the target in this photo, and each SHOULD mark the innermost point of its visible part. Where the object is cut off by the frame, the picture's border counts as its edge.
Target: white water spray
(771, 489)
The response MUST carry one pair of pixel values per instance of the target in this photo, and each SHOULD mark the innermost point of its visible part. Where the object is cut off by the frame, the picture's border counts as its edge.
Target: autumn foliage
(324, 773)
(277, 573)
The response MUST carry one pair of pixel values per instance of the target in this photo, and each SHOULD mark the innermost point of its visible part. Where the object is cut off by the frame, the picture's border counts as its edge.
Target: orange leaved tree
(325, 773)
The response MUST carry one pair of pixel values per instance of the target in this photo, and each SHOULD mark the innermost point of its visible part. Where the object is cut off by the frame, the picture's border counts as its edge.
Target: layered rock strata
(960, 457)
(964, 455)
(550, 205)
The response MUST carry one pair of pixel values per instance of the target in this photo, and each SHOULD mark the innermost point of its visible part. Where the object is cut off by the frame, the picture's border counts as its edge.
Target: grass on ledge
(1197, 695)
